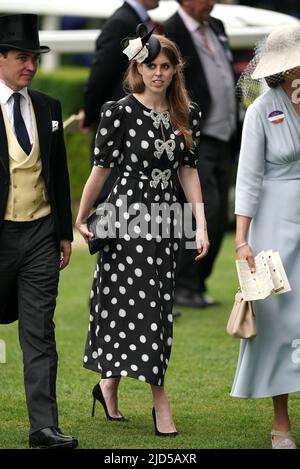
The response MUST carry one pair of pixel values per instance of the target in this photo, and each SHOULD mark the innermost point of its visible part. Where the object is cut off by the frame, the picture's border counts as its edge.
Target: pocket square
(54, 126)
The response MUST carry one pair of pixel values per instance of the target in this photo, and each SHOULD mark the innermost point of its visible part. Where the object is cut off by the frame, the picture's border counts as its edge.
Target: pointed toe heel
(98, 396)
(157, 432)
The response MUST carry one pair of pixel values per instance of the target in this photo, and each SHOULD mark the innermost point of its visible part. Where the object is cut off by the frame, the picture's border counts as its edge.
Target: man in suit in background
(35, 220)
(105, 82)
(210, 82)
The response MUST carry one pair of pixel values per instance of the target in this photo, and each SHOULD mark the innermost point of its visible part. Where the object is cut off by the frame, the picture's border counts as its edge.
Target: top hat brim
(39, 50)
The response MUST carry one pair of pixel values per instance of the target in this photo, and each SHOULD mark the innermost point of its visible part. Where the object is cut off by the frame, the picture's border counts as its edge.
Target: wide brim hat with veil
(144, 48)
(281, 52)
(275, 55)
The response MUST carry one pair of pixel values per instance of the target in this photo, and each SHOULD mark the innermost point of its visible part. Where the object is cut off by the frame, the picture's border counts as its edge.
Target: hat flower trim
(136, 50)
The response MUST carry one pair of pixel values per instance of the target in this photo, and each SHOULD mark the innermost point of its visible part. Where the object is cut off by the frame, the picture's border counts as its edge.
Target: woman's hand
(202, 244)
(92, 188)
(83, 230)
(245, 253)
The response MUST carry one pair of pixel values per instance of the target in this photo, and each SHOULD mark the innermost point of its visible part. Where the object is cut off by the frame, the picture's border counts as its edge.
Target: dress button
(15, 216)
(15, 186)
(31, 216)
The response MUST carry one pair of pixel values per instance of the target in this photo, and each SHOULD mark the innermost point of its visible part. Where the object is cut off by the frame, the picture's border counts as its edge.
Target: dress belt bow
(159, 176)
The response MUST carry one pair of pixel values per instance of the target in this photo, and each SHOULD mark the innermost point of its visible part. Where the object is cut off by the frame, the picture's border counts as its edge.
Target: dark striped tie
(20, 127)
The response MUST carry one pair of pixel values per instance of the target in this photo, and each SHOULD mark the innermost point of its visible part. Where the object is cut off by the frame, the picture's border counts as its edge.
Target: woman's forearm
(191, 186)
(242, 228)
(91, 191)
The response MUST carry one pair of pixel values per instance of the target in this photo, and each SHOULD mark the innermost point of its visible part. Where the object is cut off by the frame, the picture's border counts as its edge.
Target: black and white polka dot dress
(130, 329)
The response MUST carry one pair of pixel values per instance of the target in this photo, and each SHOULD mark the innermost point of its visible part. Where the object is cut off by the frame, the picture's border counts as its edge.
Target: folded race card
(268, 279)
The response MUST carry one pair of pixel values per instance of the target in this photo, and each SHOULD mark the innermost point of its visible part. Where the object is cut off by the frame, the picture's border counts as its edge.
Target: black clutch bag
(98, 224)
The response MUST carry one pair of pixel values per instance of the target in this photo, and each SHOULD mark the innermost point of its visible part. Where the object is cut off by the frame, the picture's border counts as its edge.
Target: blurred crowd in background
(290, 7)
(241, 57)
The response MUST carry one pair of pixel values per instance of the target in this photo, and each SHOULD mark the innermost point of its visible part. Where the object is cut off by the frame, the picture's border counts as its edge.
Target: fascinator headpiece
(144, 48)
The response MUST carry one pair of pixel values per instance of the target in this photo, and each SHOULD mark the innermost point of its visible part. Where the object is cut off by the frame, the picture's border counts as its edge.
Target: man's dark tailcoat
(55, 174)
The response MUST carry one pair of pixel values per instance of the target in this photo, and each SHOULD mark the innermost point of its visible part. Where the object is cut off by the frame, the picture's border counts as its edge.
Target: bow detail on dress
(159, 117)
(161, 146)
(160, 176)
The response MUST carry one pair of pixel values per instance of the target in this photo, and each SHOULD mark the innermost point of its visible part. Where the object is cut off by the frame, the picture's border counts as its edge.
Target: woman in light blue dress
(268, 217)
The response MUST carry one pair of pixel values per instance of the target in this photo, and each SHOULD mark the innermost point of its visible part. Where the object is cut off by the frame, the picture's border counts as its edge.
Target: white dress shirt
(7, 100)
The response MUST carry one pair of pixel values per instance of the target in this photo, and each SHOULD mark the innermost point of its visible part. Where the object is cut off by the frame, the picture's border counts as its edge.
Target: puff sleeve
(192, 154)
(110, 135)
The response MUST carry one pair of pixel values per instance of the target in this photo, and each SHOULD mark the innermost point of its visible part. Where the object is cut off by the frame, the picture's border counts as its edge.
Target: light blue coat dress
(268, 191)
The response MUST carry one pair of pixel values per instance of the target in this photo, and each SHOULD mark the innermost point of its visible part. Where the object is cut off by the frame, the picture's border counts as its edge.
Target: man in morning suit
(35, 220)
(210, 82)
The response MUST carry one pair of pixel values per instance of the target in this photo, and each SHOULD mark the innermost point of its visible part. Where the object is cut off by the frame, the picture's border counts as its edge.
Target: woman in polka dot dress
(150, 135)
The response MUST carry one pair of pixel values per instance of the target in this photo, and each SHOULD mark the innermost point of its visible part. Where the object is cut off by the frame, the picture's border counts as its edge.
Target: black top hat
(20, 32)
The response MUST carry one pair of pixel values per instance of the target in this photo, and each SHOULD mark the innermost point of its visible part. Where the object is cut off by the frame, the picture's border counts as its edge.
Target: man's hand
(66, 250)
(81, 117)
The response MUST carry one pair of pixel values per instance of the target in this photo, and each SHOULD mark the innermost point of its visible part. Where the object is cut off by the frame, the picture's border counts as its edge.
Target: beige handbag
(241, 322)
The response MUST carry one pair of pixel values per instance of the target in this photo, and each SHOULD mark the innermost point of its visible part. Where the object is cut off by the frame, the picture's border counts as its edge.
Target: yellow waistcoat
(27, 197)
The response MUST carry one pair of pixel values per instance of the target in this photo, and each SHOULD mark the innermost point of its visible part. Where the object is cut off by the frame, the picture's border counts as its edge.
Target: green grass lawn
(198, 381)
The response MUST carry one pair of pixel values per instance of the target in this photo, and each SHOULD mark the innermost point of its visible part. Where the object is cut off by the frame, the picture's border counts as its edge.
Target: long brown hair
(177, 97)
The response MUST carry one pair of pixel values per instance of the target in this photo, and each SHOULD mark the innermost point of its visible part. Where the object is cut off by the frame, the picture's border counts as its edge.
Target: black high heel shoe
(97, 394)
(157, 432)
